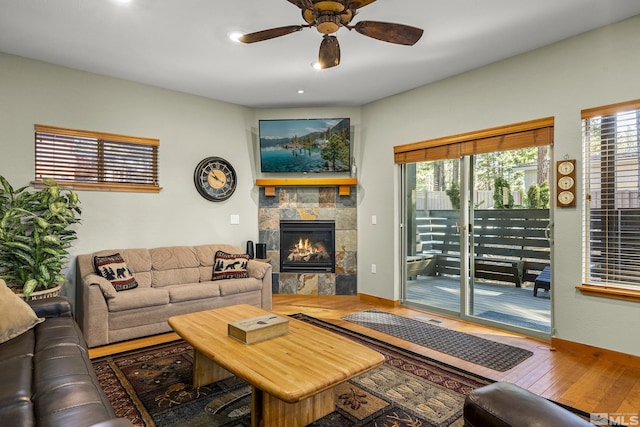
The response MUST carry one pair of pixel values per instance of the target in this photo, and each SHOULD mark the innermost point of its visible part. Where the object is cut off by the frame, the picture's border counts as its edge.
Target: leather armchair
(504, 404)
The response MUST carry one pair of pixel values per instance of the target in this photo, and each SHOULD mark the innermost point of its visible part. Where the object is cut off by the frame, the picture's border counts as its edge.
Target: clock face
(215, 179)
(565, 168)
(566, 182)
(565, 197)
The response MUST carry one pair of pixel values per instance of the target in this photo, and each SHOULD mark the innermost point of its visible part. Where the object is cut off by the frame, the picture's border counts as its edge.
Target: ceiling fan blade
(390, 32)
(303, 4)
(272, 33)
(357, 4)
(329, 55)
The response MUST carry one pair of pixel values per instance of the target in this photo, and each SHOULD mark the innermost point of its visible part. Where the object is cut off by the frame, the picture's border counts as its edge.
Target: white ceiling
(183, 45)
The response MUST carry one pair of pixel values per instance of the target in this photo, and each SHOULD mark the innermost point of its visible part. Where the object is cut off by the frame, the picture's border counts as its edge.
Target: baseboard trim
(589, 350)
(379, 300)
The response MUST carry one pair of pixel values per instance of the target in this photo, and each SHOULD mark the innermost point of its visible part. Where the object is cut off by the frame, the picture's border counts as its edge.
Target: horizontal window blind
(611, 216)
(511, 137)
(96, 160)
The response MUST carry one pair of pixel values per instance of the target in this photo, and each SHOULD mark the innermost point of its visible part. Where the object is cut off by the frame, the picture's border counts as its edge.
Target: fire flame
(303, 247)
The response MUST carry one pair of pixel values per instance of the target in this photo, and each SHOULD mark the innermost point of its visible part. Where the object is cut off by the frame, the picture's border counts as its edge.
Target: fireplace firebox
(307, 246)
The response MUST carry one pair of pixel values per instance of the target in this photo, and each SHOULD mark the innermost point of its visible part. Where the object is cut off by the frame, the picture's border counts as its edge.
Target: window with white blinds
(611, 142)
(87, 160)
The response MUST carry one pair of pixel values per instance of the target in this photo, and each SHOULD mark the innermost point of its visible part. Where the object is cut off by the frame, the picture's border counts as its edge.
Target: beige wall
(597, 68)
(558, 80)
(189, 128)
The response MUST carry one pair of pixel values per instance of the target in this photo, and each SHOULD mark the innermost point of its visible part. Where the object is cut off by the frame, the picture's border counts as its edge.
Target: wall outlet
(374, 269)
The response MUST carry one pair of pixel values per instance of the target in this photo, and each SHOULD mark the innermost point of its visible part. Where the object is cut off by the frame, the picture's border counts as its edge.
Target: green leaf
(26, 258)
(19, 245)
(42, 223)
(44, 273)
(29, 286)
(5, 184)
(54, 251)
(58, 207)
(73, 198)
(51, 239)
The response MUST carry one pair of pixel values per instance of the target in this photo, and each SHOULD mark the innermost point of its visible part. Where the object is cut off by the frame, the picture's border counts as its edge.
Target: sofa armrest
(105, 286)
(262, 271)
(92, 310)
(257, 269)
(51, 307)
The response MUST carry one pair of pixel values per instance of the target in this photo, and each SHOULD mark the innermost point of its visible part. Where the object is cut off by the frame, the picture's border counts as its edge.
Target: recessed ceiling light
(301, 91)
(122, 1)
(235, 36)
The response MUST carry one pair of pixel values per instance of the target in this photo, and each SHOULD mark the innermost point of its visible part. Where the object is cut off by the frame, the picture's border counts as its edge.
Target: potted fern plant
(36, 229)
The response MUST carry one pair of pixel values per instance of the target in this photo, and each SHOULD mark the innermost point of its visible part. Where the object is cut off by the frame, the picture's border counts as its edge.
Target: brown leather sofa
(46, 376)
(503, 405)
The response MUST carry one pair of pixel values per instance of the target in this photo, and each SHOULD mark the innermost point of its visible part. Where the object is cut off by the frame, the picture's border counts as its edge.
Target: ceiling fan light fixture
(327, 16)
(328, 24)
(329, 55)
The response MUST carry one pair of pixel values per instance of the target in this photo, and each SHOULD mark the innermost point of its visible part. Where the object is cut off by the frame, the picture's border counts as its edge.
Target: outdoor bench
(498, 269)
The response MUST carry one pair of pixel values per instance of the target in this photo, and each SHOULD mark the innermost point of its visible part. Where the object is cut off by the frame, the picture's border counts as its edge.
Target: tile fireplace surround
(311, 204)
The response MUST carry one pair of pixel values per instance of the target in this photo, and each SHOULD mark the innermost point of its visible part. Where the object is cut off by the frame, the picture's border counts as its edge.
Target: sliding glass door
(509, 244)
(476, 233)
(433, 224)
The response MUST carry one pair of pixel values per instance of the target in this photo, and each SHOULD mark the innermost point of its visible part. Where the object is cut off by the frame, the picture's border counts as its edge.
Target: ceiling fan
(327, 16)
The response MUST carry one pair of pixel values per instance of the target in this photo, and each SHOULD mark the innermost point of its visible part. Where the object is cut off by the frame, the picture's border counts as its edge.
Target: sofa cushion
(174, 257)
(115, 270)
(174, 277)
(237, 286)
(230, 266)
(17, 317)
(138, 298)
(193, 291)
(173, 266)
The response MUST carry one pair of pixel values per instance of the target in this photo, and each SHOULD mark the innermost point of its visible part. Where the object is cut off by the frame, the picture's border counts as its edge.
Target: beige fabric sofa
(171, 281)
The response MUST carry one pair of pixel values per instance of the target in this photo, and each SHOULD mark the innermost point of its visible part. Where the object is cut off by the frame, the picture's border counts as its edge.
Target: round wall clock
(565, 182)
(215, 179)
(566, 167)
(566, 197)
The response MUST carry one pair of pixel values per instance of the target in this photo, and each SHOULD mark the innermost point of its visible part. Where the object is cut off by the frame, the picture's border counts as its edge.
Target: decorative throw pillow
(230, 266)
(17, 317)
(114, 269)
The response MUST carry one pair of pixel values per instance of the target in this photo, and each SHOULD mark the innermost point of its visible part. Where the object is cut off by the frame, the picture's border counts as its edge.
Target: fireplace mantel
(270, 185)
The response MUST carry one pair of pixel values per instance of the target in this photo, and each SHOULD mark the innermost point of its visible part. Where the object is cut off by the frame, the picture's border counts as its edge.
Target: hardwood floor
(580, 376)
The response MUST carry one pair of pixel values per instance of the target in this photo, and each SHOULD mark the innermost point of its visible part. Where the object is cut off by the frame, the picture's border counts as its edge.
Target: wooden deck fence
(510, 245)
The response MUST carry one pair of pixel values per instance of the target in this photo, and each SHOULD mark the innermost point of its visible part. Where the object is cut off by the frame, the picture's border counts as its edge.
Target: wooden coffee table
(292, 376)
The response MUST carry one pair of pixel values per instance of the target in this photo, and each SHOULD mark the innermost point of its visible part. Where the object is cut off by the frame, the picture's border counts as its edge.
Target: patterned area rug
(151, 387)
(481, 351)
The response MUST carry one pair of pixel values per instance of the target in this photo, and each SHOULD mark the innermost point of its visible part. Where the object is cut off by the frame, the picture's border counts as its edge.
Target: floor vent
(425, 319)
